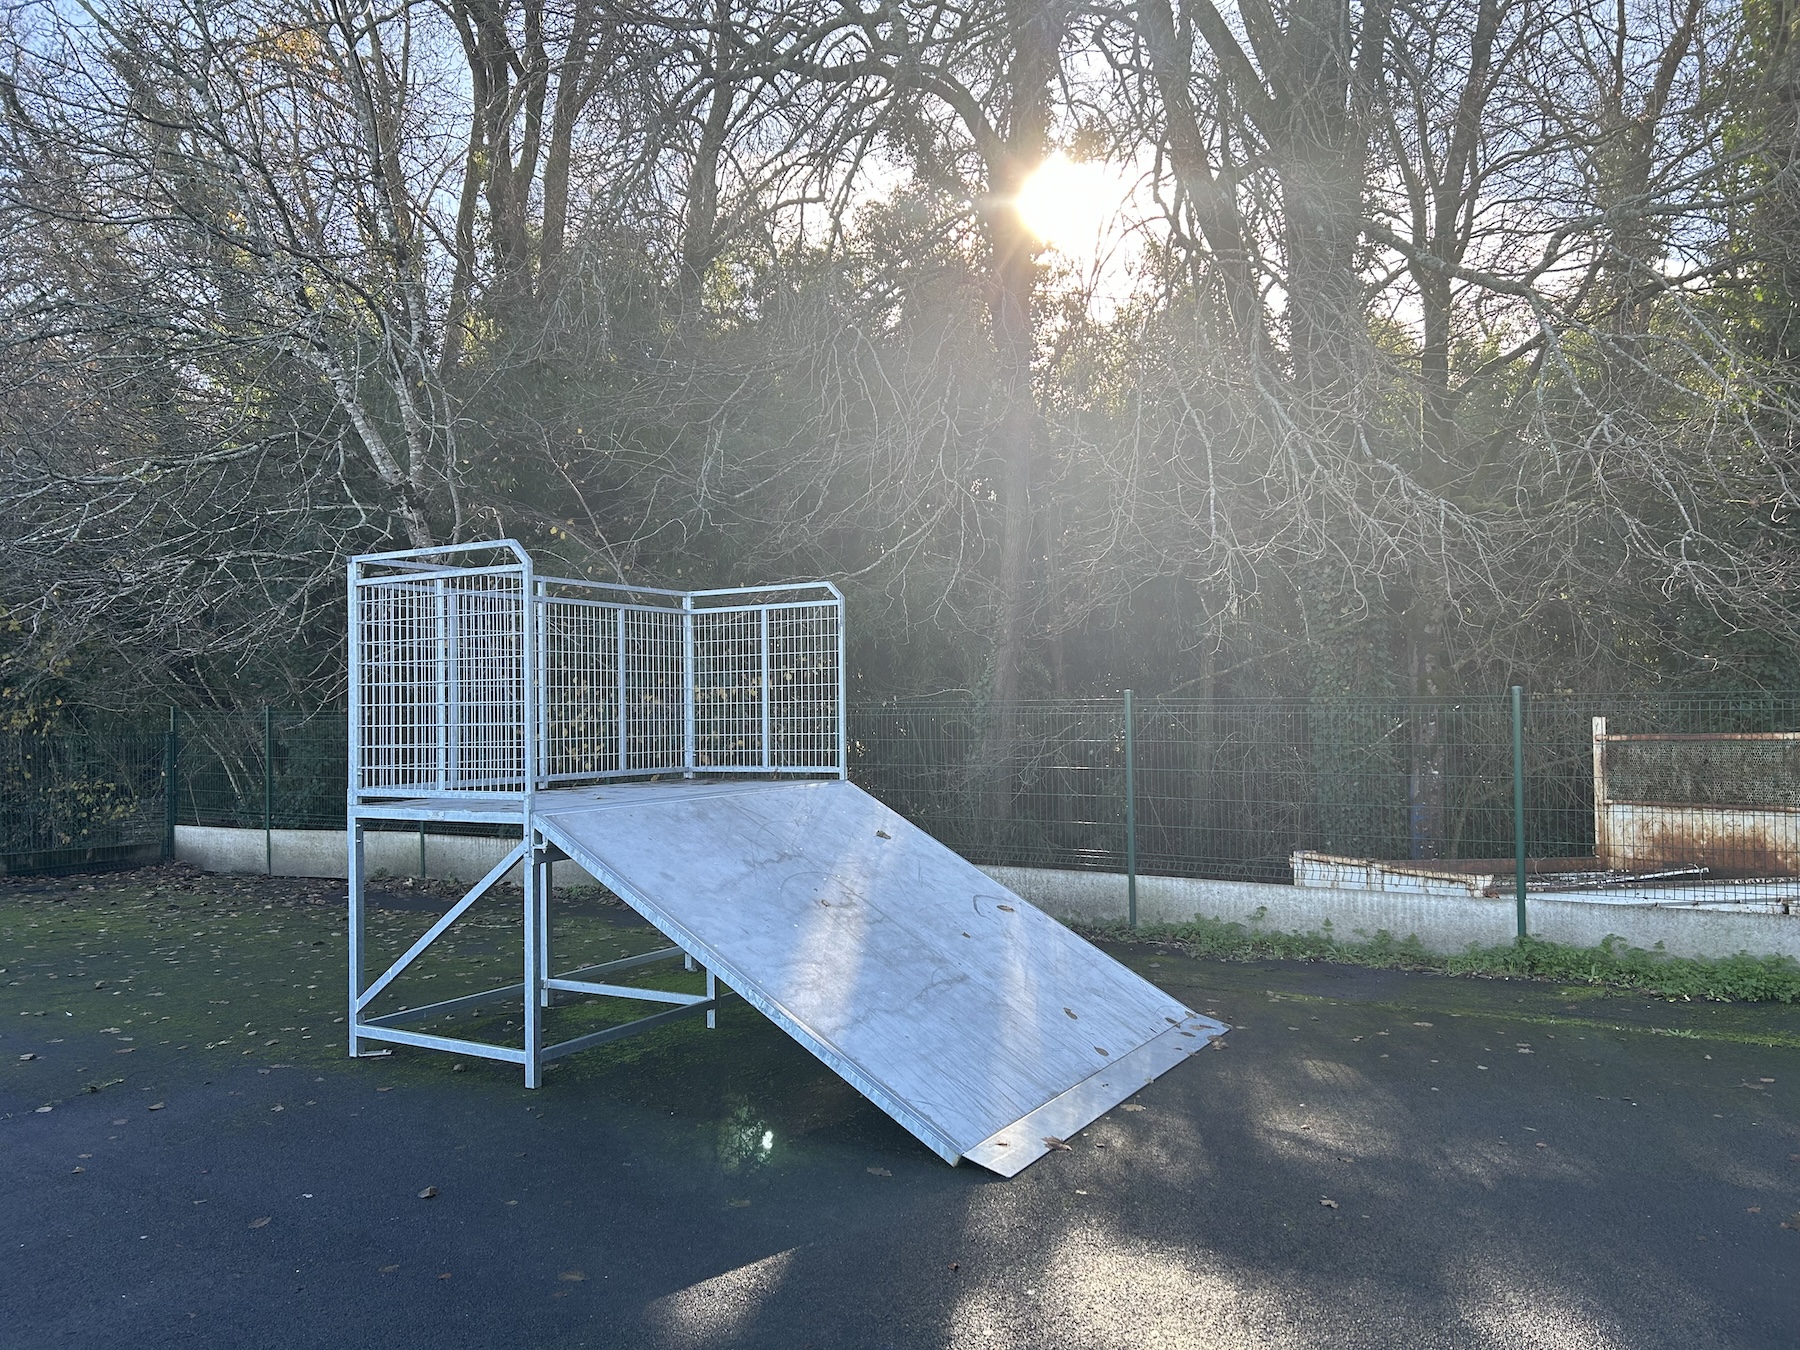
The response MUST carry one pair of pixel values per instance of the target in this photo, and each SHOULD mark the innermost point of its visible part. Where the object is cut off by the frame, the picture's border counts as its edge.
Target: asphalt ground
(1376, 1159)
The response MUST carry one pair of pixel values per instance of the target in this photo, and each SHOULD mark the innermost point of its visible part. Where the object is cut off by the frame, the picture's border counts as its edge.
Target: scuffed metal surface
(954, 1005)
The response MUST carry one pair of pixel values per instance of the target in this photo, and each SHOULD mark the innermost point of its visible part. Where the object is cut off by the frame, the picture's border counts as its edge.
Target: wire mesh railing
(1671, 800)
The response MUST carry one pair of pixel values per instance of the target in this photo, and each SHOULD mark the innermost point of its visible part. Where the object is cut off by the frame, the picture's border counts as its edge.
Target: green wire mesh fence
(1698, 795)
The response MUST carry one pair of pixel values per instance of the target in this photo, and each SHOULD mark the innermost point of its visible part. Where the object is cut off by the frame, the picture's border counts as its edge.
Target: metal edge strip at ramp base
(978, 1022)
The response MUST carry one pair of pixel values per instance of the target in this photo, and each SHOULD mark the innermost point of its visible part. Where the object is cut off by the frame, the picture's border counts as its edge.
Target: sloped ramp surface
(977, 1021)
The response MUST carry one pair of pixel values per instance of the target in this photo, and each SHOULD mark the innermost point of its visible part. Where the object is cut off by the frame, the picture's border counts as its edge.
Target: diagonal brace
(436, 930)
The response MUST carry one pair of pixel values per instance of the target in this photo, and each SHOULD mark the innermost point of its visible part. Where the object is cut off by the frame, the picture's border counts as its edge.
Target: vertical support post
(440, 704)
(530, 691)
(353, 834)
(1518, 768)
(687, 686)
(1130, 813)
(356, 870)
(171, 783)
(543, 919)
(268, 790)
(542, 763)
(1603, 849)
(534, 970)
(624, 717)
(768, 731)
(422, 872)
(843, 694)
(712, 991)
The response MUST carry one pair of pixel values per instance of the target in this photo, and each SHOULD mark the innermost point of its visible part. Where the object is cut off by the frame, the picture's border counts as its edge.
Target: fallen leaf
(1421, 1024)
(572, 1276)
(445, 1275)
(878, 1171)
(956, 1265)
(1329, 1204)
(1068, 1012)
(429, 1193)
(1009, 909)
(122, 1121)
(1079, 1191)
(389, 1270)
(1543, 1145)
(1131, 1106)
(278, 1107)
(74, 1170)
(883, 834)
(1754, 1209)
(27, 1056)
(385, 1089)
(1101, 1049)
(1056, 1143)
(156, 1106)
(42, 1109)
(1765, 1080)
(739, 1204)
(260, 1223)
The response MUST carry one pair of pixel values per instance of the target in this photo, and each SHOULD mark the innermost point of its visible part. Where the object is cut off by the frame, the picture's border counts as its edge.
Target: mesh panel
(803, 686)
(627, 681)
(581, 688)
(728, 689)
(441, 683)
(655, 718)
(1749, 770)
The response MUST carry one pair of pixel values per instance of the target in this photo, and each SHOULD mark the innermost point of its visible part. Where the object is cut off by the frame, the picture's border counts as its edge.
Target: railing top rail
(720, 593)
(417, 557)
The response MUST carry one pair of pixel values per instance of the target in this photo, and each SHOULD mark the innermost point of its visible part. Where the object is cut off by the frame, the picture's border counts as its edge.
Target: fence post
(1130, 814)
(268, 790)
(171, 752)
(1518, 768)
(687, 686)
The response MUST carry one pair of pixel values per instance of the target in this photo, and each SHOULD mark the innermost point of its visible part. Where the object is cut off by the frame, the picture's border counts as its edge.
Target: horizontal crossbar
(623, 963)
(642, 1024)
(625, 991)
(480, 1049)
(467, 1003)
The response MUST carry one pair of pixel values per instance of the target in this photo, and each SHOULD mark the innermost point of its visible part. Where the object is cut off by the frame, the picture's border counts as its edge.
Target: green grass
(1742, 978)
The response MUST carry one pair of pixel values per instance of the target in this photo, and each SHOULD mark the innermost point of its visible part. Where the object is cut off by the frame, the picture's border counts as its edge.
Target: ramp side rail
(471, 674)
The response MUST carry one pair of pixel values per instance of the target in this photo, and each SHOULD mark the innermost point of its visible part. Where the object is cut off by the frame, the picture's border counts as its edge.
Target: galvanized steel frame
(427, 626)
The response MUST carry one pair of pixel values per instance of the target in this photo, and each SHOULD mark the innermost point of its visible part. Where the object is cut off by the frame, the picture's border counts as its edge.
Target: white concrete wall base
(1445, 925)
(325, 853)
(1442, 924)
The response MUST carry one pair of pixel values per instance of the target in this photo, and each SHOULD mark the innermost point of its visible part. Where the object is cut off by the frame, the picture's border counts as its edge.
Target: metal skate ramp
(972, 1018)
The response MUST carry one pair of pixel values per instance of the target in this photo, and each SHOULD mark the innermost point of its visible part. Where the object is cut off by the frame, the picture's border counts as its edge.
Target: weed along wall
(1446, 925)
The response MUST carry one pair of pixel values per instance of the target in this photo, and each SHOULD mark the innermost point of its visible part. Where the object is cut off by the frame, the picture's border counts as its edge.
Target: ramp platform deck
(977, 1021)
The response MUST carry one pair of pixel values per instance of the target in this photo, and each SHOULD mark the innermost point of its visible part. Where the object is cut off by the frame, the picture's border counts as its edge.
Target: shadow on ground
(1376, 1159)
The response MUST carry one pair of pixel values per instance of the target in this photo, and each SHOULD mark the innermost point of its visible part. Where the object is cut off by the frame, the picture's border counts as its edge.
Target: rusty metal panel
(1726, 841)
(1727, 802)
